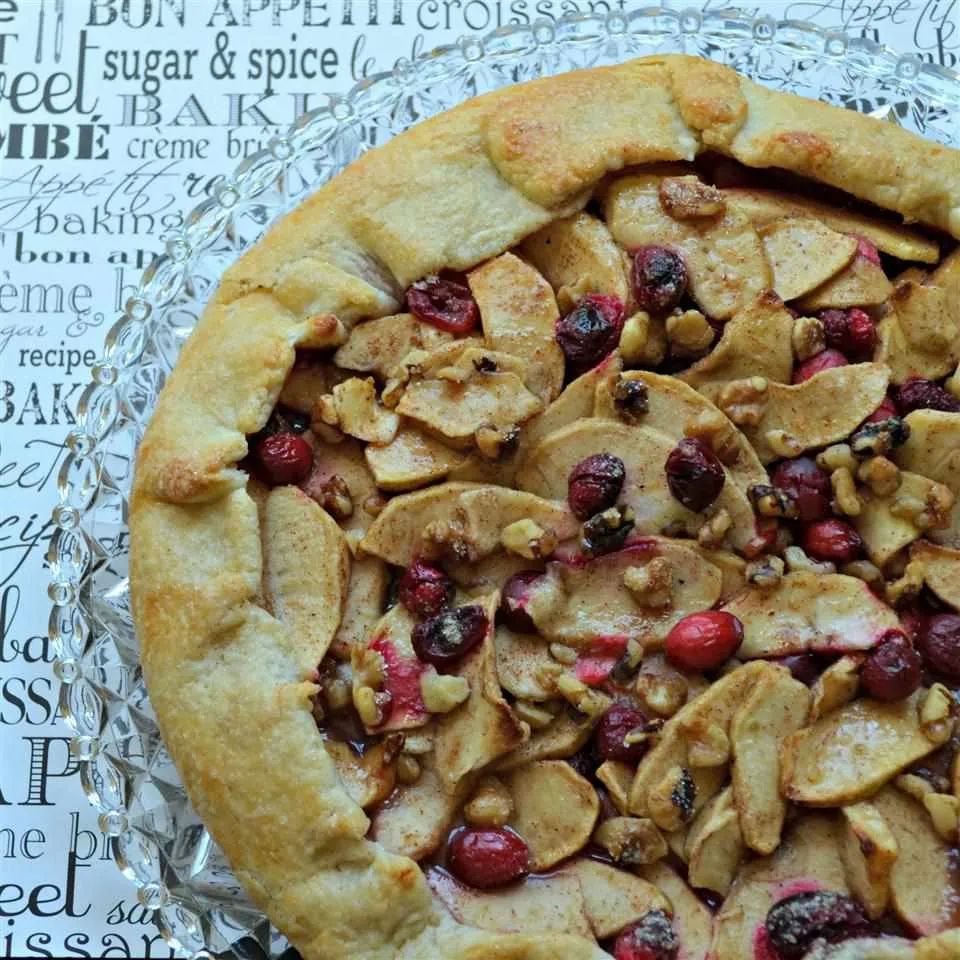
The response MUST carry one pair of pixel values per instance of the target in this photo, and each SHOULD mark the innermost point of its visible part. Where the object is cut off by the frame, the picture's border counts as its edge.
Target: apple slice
(306, 570)
(756, 342)
(869, 854)
(861, 284)
(411, 459)
(377, 346)
(644, 452)
(360, 413)
(777, 705)
(804, 253)
(692, 921)
(551, 905)
(554, 810)
(617, 776)
(366, 594)
(308, 380)
(336, 463)
(836, 686)
(464, 520)
(368, 778)
(714, 845)
(941, 570)
(613, 898)
(561, 738)
(810, 611)
(808, 413)
(519, 315)
(521, 661)
(924, 882)
(848, 754)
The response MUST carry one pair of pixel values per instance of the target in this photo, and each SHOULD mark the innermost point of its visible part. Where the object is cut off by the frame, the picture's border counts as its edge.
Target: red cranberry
(445, 302)
(939, 642)
(893, 670)
(832, 540)
(794, 923)
(824, 360)
(444, 639)
(868, 249)
(703, 641)
(852, 332)
(488, 857)
(920, 394)
(659, 278)
(424, 589)
(615, 724)
(652, 937)
(284, 458)
(694, 474)
(804, 667)
(594, 484)
(590, 331)
(513, 601)
(886, 411)
(807, 484)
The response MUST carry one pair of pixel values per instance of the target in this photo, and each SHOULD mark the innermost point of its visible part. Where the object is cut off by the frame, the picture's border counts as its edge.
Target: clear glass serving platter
(158, 840)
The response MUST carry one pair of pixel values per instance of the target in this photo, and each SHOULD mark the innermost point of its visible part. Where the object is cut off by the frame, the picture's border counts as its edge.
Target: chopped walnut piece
(689, 198)
(909, 584)
(771, 501)
(576, 692)
(797, 559)
(743, 401)
(443, 692)
(766, 572)
(866, 571)
(783, 444)
(643, 340)
(878, 439)
(716, 431)
(936, 717)
(630, 398)
(563, 654)
(837, 456)
(528, 539)
(369, 709)
(448, 539)
(333, 495)
(711, 535)
(491, 804)
(846, 500)
(368, 667)
(689, 333)
(495, 443)
(632, 841)
(652, 584)
(808, 338)
(881, 475)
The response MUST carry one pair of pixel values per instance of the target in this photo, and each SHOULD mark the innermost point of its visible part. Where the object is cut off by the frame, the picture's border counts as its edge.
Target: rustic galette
(548, 544)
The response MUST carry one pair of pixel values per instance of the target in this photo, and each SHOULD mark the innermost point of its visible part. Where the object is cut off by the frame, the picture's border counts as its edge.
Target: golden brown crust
(229, 683)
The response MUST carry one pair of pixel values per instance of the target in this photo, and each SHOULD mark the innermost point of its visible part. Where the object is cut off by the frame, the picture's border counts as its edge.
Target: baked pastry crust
(230, 684)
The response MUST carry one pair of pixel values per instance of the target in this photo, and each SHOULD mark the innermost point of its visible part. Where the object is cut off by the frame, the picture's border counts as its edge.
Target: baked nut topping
(568, 562)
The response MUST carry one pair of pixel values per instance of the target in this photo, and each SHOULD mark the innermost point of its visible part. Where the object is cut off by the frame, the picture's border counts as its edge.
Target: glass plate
(157, 839)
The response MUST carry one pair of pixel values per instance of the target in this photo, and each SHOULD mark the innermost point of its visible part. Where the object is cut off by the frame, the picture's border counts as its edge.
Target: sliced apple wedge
(808, 413)
(804, 253)
(836, 686)
(519, 313)
(924, 881)
(777, 705)
(869, 854)
(553, 904)
(644, 452)
(521, 661)
(714, 844)
(809, 611)
(411, 459)
(617, 776)
(692, 921)
(306, 570)
(377, 346)
(462, 520)
(343, 463)
(861, 284)
(366, 593)
(755, 343)
(307, 382)
(561, 738)
(941, 570)
(554, 810)
(613, 898)
(370, 778)
(848, 754)
(360, 413)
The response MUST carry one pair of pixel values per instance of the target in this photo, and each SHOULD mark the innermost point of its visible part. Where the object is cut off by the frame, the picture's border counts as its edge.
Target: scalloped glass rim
(157, 839)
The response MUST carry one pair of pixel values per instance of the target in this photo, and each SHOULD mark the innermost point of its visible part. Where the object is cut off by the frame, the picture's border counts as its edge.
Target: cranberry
(424, 589)
(614, 725)
(594, 484)
(652, 937)
(868, 249)
(807, 484)
(702, 641)
(920, 394)
(444, 639)
(886, 411)
(659, 278)
(590, 331)
(852, 332)
(284, 458)
(607, 532)
(794, 923)
(804, 667)
(513, 600)
(832, 540)
(939, 642)
(487, 857)
(893, 669)
(824, 360)
(444, 302)
(694, 474)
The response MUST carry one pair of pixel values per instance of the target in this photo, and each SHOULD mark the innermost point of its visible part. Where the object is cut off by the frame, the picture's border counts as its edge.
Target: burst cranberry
(939, 642)
(444, 639)
(832, 540)
(652, 937)
(594, 484)
(807, 484)
(488, 857)
(424, 589)
(444, 302)
(804, 667)
(615, 724)
(824, 360)
(703, 641)
(694, 474)
(886, 411)
(284, 458)
(868, 249)
(920, 394)
(659, 278)
(513, 602)
(852, 332)
(794, 923)
(590, 331)
(893, 670)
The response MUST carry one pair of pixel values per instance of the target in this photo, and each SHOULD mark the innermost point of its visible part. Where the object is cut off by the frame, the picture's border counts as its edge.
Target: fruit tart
(548, 543)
